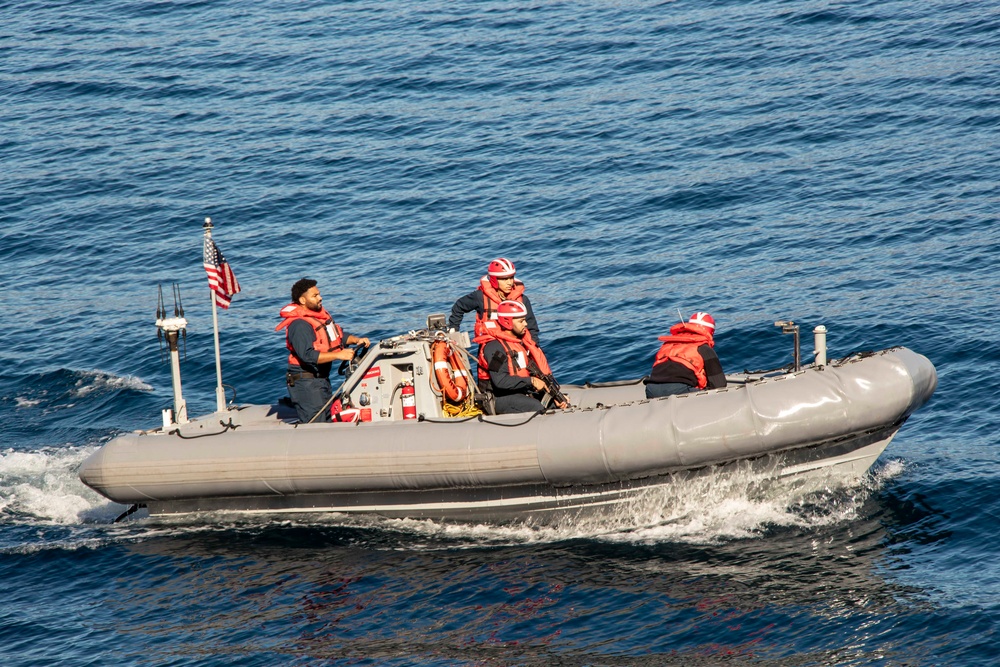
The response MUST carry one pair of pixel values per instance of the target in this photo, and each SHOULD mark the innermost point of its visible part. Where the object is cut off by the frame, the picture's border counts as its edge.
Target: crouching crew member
(314, 342)
(687, 361)
(497, 285)
(510, 361)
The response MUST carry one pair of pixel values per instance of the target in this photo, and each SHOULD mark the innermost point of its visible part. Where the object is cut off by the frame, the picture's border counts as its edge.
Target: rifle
(553, 387)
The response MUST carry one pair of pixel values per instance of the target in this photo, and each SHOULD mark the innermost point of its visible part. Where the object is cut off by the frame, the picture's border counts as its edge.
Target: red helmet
(703, 319)
(500, 267)
(507, 311)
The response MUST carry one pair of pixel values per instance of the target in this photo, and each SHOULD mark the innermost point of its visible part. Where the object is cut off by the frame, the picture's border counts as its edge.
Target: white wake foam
(42, 486)
(702, 510)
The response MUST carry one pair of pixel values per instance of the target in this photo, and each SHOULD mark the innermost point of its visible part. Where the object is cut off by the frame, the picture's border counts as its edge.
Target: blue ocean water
(828, 162)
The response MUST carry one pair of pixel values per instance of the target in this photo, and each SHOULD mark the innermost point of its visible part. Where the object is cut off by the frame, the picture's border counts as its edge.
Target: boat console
(396, 379)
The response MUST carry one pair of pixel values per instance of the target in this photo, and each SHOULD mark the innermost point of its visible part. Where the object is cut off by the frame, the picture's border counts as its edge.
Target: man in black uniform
(510, 361)
(314, 342)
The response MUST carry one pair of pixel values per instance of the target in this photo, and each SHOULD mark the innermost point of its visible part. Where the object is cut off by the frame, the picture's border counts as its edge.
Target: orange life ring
(459, 371)
(449, 371)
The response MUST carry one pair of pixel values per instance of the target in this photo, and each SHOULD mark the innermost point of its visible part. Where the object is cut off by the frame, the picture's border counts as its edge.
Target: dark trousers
(517, 403)
(309, 396)
(660, 389)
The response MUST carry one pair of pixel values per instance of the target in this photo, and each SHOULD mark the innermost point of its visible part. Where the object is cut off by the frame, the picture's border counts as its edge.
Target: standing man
(507, 357)
(314, 342)
(497, 285)
(687, 360)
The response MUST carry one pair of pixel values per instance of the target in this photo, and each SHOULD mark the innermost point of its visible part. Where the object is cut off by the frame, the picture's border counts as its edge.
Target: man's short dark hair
(301, 287)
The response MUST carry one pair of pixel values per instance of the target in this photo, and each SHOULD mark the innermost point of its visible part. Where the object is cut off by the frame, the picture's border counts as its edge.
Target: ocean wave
(60, 387)
(96, 380)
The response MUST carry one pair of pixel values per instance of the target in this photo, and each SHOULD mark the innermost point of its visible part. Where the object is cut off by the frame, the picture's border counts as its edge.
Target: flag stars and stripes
(221, 279)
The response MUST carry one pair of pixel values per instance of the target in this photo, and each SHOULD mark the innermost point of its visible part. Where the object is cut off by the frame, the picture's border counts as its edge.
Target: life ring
(449, 371)
(459, 371)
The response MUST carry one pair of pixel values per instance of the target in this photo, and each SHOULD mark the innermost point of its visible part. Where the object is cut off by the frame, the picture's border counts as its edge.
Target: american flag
(221, 278)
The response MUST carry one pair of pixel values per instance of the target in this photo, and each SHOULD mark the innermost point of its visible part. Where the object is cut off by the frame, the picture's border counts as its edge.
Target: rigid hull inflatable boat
(408, 458)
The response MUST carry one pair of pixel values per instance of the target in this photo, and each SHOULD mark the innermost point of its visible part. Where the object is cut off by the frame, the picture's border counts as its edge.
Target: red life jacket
(519, 350)
(329, 335)
(487, 320)
(682, 346)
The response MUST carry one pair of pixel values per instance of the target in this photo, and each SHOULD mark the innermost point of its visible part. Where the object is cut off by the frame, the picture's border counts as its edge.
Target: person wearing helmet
(314, 342)
(497, 285)
(686, 361)
(510, 361)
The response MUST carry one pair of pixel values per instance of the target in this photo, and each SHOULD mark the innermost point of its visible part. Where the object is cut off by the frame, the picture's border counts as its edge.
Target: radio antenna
(179, 312)
(161, 314)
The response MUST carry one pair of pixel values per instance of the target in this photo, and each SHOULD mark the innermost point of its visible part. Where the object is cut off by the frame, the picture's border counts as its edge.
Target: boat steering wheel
(348, 366)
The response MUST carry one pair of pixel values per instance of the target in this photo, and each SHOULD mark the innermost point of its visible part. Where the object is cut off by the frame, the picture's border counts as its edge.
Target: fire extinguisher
(409, 401)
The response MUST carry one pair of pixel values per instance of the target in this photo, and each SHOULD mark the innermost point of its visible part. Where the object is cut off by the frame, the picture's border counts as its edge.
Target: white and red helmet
(508, 311)
(703, 319)
(501, 267)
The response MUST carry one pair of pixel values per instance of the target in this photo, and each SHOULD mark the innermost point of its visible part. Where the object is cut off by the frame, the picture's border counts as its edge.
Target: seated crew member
(497, 285)
(314, 342)
(687, 361)
(507, 357)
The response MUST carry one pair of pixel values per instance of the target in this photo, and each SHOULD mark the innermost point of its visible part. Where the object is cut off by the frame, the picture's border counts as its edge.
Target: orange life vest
(329, 335)
(487, 320)
(682, 346)
(519, 351)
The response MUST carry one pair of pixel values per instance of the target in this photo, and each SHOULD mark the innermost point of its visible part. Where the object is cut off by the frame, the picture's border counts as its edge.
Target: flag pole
(220, 393)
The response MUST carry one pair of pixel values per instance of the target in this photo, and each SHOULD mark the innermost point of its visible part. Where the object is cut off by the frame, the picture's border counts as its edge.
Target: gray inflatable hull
(611, 447)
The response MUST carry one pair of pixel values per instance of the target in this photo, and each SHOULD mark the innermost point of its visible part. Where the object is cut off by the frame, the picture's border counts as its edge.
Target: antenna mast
(172, 328)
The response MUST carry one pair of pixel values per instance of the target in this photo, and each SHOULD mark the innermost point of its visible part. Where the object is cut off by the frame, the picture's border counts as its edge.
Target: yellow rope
(467, 409)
